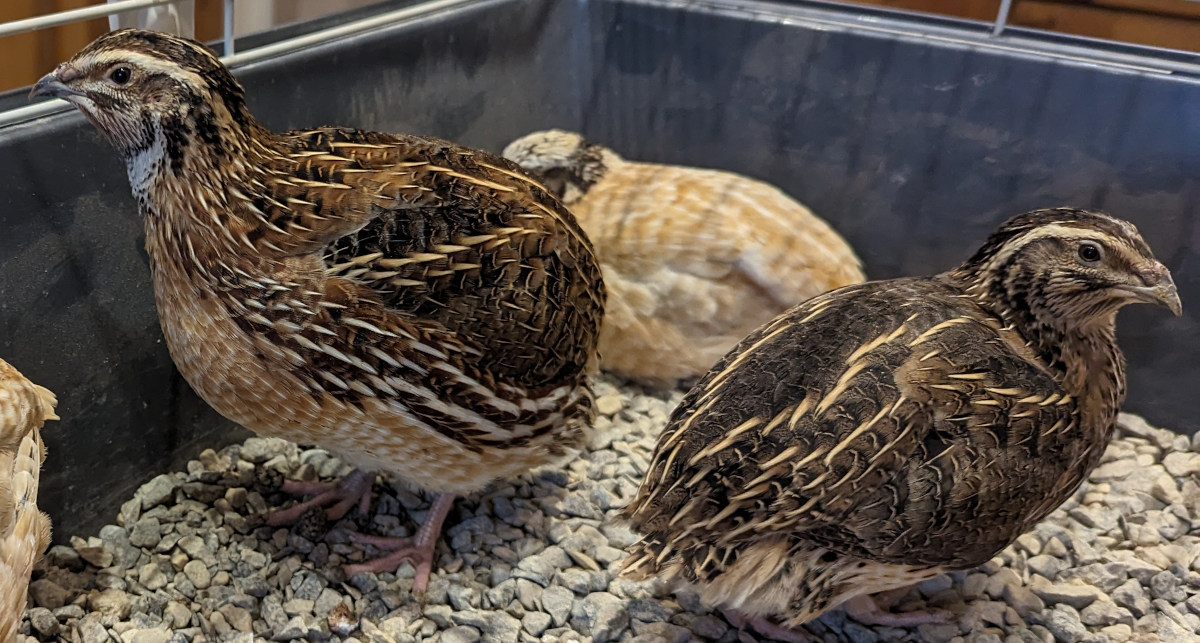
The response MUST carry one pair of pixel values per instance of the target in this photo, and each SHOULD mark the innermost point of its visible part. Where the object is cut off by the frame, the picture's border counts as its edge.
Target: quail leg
(865, 610)
(766, 628)
(337, 497)
(417, 550)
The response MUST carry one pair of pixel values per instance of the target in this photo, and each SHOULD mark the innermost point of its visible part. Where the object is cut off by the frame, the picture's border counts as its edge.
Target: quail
(24, 530)
(412, 305)
(880, 434)
(694, 259)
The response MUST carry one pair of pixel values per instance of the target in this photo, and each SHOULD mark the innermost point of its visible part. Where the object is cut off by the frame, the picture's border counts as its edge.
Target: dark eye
(1089, 252)
(120, 75)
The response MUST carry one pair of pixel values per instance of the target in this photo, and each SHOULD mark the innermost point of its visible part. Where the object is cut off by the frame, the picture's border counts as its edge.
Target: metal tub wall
(913, 147)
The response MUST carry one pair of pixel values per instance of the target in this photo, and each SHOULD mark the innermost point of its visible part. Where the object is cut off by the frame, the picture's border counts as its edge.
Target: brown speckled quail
(410, 304)
(883, 433)
(694, 259)
(24, 530)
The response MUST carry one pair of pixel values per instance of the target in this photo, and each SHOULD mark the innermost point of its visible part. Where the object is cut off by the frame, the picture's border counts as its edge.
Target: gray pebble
(197, 572)
(1131, 596)
(1077, 596)
(1063, 622)
(1105, 576)
(259, 450)
(707, 625)
(576, 580)
(99, 557)
(1047, 566)
(91, 630)
(1105, 612)
(153, 576)
(1023, 600)
(1117, 633)
(528, 593)
(48, 594)
(938, 632)
(535, 568)
(145, 533)
(1165, 585)
(577, 504)
(460, 634)
(295, 628)
(43, 621)
(1101, 518)
(939, 583)
(255, 586)
(272, 612)
(176, 615)
(609, 404)
(146, 636)
(500, 595)
(1169, 630)
(463, 598)
(116, 541)
(658, 632)
(557, 601)
(439, 614)
(69, 612)
(1115, 470)
(111, 602)
(195, 547)
(501, 627)
(156, 492)
(600, 615)
(535, 623)
(1182, 464)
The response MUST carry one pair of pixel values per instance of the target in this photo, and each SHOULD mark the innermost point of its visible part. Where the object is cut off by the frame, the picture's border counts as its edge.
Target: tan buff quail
(24, 530)
(880, 434)
(693, 259)
(412, 305)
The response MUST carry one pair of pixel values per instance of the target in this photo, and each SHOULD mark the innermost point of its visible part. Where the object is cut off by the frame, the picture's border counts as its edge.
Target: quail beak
(55, 83)
(1156, 287)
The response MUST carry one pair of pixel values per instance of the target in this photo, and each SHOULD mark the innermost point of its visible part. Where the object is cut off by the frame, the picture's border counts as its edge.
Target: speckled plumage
(410, 304)
(694, 259)
(882, 433)
(24, 531)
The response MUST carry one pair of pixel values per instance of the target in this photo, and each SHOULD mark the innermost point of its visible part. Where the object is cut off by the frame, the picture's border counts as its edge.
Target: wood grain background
(25, 57)
(1163, 23)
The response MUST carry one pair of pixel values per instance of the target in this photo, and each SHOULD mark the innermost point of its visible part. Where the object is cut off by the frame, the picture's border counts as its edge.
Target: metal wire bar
(76, 15)
(229, 27)
(1002, 17)
(414, 12)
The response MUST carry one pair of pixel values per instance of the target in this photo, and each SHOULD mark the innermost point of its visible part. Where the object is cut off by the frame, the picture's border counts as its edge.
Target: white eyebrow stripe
(152, 64)
(1052, 230)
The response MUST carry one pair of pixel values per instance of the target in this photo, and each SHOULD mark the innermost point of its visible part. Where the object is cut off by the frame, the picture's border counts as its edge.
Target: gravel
(188, 561)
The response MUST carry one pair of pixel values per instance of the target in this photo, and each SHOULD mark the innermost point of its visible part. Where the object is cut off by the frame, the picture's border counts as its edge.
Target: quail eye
(120, 75)
(1089, 252)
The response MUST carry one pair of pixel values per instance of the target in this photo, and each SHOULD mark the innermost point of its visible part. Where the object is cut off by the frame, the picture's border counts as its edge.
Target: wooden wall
(27, 56)
(1161, 23)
